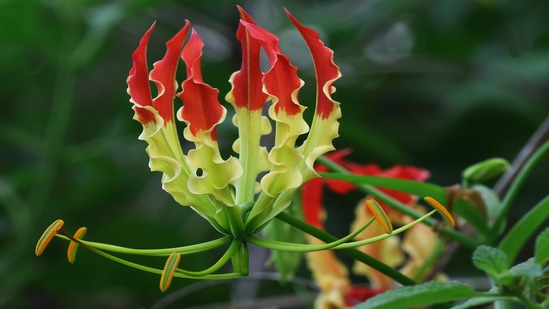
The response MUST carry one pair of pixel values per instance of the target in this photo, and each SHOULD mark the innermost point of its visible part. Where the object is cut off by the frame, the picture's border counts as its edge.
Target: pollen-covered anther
(169, 270)
(73, 246)
(47, 236)
(380, 215)
(441, 209)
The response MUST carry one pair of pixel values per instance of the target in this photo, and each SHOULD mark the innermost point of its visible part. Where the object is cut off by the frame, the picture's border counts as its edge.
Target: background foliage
(437, 84)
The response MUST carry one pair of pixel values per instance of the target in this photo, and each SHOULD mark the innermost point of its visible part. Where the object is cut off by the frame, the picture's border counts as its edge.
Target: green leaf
(528, 269)
(432, 292)
(287, 263)
(401, 185)
(522, 231)
(520, 275)
(485, 170)
(472, 215)
(475, 301)
(541, 251)
(491, 260)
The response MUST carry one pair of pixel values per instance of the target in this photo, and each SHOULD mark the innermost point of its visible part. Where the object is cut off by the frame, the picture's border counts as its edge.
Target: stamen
(73, 246)
(169, 270)
(441, 209)
(47, 236)
(380, 215)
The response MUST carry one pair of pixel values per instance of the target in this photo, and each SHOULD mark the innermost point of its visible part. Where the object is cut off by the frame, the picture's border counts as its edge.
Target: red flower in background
(359, 294)
(312, 191)
(331, 275)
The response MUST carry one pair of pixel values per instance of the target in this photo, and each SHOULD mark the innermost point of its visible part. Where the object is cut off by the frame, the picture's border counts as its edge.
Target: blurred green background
(440, 84)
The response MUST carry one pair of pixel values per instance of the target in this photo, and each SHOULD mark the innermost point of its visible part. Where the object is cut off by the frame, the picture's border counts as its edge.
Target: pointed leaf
(523, 230)
(541, 252)
(432, 292)
(401, 185)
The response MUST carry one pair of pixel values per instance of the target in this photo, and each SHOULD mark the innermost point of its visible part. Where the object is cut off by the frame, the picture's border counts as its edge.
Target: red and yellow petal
(163, 75)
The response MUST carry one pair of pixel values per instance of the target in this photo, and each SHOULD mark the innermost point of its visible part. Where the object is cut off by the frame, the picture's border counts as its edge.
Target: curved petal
(163, 75)
(139, 87)
(156, 116)
(248, 99)
(282, 84)
(202, 112)
(327, 111)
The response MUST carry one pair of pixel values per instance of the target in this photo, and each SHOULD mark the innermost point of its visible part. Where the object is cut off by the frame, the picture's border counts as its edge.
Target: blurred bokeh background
(437, 84)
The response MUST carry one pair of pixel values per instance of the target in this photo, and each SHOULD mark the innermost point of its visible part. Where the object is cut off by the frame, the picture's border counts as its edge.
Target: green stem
(336, 245)
(515, 187)
(178, 274)
(353, 252)
(159, 271)
(371, 190)
(183, 250)
(293, 247)
(525, 301)
(217, 265)
(401, 229)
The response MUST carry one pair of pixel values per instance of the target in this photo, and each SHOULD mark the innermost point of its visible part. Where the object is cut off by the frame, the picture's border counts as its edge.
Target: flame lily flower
(238, 195)
(223, 190)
